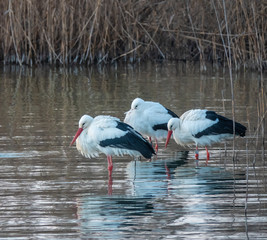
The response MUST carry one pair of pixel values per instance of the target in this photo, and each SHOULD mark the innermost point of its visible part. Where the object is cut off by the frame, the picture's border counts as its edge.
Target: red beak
(76, 135)
(168, 138)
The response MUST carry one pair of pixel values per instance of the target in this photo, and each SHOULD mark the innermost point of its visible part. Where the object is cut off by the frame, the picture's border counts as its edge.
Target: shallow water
(49, 191)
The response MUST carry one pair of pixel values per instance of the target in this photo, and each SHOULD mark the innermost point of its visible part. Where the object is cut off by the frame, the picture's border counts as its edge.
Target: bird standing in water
(202, 128)
(149, 118)
(108, 135)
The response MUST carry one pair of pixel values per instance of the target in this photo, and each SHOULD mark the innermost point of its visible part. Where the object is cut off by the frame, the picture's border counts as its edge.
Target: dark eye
(136, 106)
(83, 123)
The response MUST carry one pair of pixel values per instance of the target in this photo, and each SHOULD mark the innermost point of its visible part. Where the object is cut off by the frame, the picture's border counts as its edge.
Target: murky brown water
(49, 191)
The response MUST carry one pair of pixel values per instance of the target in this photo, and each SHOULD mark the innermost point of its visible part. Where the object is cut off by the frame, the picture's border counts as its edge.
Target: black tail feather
(147, 151)
(240, 129)
(223, 126)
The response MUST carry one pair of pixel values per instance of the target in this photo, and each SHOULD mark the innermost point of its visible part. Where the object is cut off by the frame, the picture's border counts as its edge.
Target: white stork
(108, 135)
(202, 128)
(149, 118)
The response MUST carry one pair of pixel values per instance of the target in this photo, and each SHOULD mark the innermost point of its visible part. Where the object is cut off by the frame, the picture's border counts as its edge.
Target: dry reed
(98, 31)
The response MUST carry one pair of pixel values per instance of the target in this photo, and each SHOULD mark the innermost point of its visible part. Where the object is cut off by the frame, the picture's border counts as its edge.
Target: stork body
(149, 118)
(201, 127)
(108, 135)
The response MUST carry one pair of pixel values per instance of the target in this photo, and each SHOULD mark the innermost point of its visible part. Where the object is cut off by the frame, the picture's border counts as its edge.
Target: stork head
(137, 103)
(84, 123)
(173, 123)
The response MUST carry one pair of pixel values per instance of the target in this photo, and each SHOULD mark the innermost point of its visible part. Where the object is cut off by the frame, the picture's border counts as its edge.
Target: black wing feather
(163, 126)
(224, 126)
(172, 113)
(132, 140)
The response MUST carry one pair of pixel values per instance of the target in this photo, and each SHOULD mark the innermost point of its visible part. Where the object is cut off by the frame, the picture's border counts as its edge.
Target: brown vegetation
(102, 31)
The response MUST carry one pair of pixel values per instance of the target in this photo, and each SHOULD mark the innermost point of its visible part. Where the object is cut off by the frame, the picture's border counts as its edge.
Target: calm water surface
(49, 191)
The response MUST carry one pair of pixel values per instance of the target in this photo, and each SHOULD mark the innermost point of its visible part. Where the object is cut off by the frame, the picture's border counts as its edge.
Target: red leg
(157, 146)
(110, 167)
(110, 164)
(208, 155)
(197, 156)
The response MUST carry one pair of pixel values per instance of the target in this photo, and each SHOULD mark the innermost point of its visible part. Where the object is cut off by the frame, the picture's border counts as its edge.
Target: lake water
(49, 191)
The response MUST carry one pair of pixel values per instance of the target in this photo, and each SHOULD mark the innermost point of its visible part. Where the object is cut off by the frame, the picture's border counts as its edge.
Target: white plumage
(108, 135)
(149, 118)
(202, 128)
